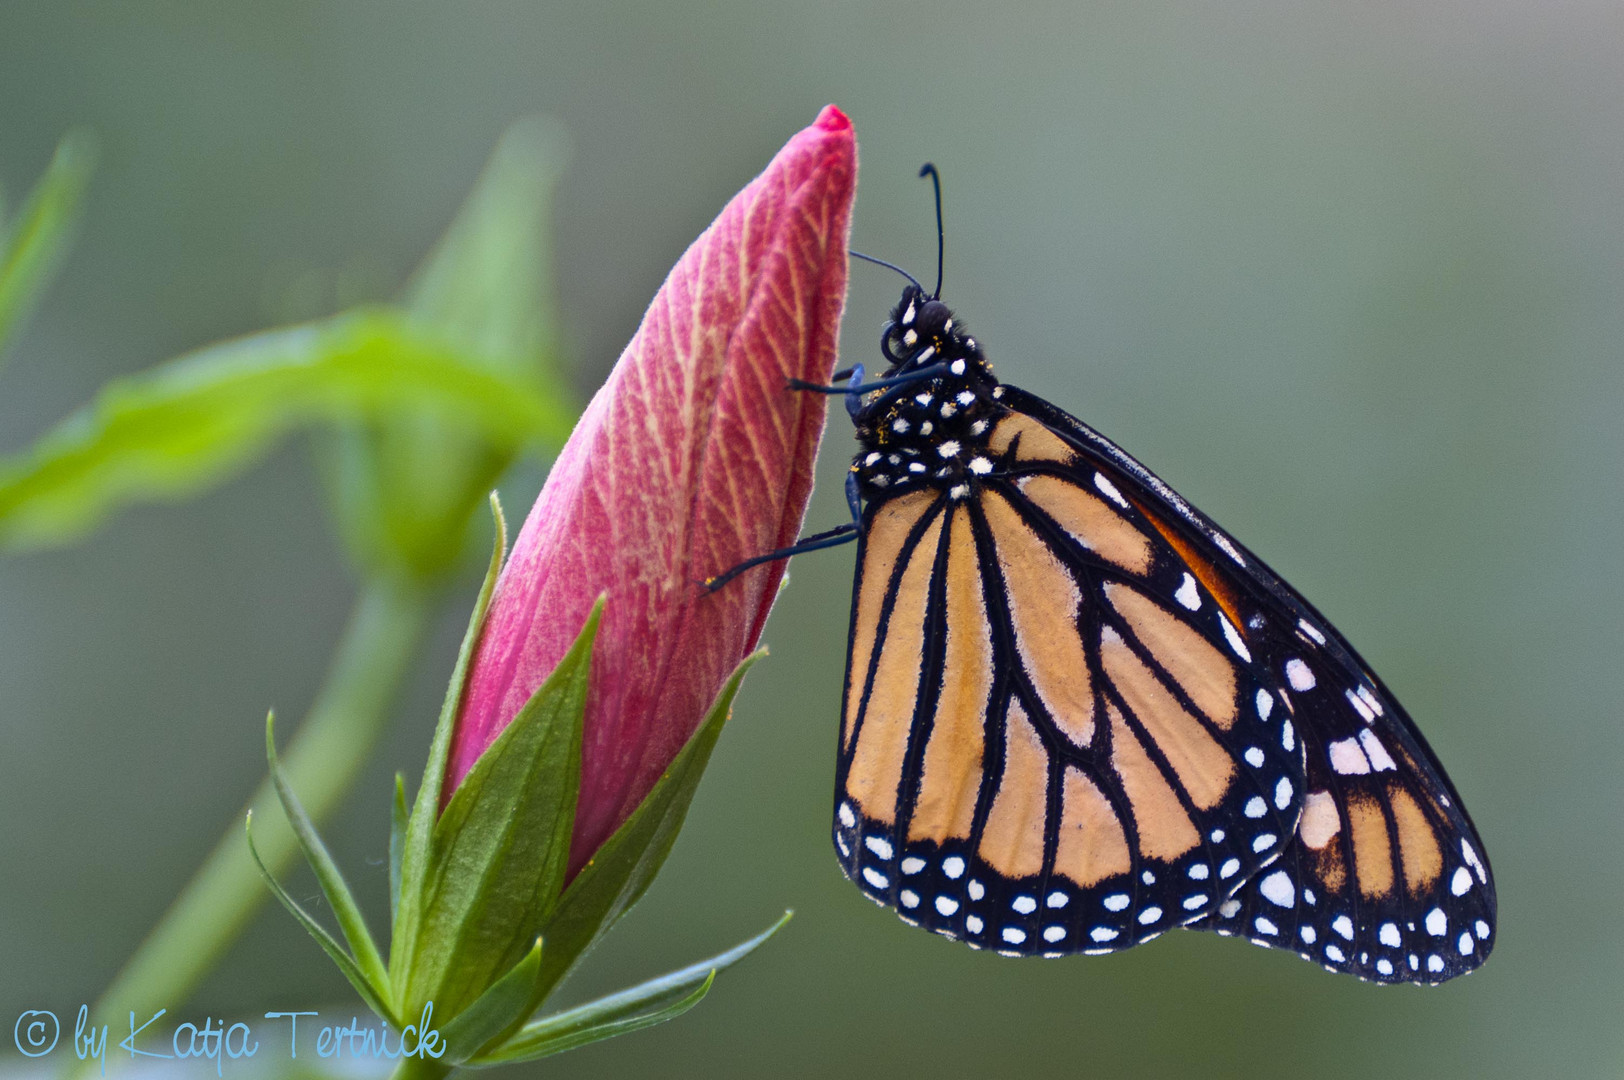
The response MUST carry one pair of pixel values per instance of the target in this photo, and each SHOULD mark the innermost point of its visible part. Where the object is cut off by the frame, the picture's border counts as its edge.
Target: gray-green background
(1347, 275)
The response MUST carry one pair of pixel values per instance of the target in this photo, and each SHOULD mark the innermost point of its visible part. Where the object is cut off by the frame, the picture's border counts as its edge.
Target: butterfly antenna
(927, 169)
(888, 266)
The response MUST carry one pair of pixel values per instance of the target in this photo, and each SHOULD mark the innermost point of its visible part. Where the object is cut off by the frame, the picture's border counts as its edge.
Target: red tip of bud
(832, 119)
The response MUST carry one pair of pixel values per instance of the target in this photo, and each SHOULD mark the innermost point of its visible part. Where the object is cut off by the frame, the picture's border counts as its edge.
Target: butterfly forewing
(1384, 876)
(1052, 738)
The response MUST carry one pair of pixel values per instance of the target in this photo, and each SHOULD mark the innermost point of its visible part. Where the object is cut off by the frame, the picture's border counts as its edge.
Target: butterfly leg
(841, 534)
(855, 388)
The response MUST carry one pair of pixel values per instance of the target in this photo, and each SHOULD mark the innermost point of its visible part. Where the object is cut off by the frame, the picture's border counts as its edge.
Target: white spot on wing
(1388, 935)
(1109, 490)
(1103, 933)
(946, 905)
(1311, 630)
(1115, 902)
(875, 878)
(1149, 915)
(1025, 904)
(1235, 641)
(1360, 707)
(1343, 925)
(909, 898)
(1014, 935)
(1265, 704)
(1299, 675)
(1461, 881)
(1437, 922)
(878, 845)
(1278, 889)
(1256, 807)
(1264, 926)
(1254, 756)
(1379, 757)
(975, 889)
(1052, 934)
(847, 818)
(953, 866)
(1347, 759)
(1282, 794)
(912, 864)
(1188, 594)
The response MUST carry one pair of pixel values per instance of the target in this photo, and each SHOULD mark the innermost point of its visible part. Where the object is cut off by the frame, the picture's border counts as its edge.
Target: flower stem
(417, 1068)
(384, 632)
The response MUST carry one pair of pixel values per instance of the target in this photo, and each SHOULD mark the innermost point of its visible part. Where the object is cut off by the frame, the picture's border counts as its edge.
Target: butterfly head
(922, 331)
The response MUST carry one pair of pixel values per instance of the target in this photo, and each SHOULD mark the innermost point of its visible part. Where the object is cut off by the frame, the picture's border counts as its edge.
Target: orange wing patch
(1203, 767)
(1036, 442)
(892, 524)
(1090, 522)
(1214, 582)
(951, 778)
(882, 742)
(1092, 844)
(1165, 830)
(1372, 849)
(1043, 603)
(1012, 841)
(1204, 673)
(1417, 843)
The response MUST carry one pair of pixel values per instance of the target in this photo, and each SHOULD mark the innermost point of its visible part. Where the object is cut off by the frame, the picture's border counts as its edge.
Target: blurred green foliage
(34, 240)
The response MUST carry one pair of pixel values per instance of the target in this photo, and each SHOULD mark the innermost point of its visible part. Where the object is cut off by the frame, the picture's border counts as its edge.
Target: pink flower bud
(692, 457)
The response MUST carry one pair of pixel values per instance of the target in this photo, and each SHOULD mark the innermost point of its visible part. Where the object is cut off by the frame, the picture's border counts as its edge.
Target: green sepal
(622, 869)
(495, 1011)
(333, 886)
(500, 848)
(650, 1003)
(414, 855)
(375, 1001)
(398, 815)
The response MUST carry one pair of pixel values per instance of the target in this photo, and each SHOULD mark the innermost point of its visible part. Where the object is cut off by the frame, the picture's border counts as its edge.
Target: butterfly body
(1077, 714)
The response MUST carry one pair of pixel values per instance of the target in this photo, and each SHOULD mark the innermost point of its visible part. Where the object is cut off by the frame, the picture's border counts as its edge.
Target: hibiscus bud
(692, 457)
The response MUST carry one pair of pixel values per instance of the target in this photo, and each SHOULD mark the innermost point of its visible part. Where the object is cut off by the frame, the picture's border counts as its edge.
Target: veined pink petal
(691, 458)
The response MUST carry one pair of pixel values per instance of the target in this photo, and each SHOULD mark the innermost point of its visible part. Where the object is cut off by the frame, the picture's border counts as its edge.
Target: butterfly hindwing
(1052, 740)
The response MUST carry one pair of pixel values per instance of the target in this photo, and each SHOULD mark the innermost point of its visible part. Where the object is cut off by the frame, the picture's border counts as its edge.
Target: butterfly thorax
(932, 431)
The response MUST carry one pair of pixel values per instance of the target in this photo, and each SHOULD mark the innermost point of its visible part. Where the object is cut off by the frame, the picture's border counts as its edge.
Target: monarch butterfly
(1078, 714)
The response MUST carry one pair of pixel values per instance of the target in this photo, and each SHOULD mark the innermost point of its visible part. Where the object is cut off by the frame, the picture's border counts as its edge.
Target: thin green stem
(336, 739)
(416, 1068)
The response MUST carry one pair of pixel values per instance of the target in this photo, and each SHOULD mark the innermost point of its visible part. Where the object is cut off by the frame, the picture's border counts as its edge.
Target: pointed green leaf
(501, 845)
(620, 872)
(333, 885)
(650, 1003)
(189, 423)
(488, 280)
(397, 843)
(420, 826)
(32, 244)
(333, 949)
(495, 1011)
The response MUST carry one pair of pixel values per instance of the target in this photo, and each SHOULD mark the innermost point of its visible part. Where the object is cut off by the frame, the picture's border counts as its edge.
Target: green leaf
(33, 243)
(495, 1011)
(333, 885)
(188, 423)
(643, 1006)
(488, 281)
(405, 488)
(397, 842)
(420, 826)
(333, 949)
(622, 869)
(501, 846)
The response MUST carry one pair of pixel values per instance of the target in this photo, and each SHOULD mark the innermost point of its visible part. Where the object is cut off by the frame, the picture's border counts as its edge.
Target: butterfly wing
(1052, 738)
(1385, 876)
